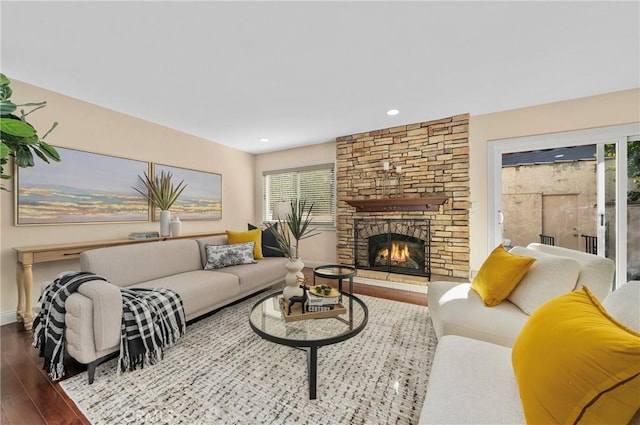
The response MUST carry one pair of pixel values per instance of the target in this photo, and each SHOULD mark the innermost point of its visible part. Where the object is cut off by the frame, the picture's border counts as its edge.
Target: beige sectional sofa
(94, 313)
(472, 380)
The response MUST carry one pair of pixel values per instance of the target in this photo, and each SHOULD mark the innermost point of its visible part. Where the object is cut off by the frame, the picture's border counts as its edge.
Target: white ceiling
(306, 72)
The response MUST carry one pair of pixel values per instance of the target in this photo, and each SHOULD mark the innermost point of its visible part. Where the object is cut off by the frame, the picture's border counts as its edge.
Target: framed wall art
(202, 198)
(83, 187)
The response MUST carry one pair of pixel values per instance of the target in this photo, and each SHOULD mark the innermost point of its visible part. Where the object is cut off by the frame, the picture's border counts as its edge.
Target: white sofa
(473, 382)
(94, 313)
(472, 379)
(456, 309)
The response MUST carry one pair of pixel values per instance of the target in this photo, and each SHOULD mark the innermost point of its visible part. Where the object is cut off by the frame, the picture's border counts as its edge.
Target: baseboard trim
(7, 318)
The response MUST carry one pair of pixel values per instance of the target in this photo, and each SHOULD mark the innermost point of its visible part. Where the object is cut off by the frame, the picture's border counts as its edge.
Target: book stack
(317, 303)
(138, 236)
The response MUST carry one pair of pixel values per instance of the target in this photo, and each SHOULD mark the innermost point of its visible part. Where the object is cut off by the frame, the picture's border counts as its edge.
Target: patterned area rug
(222, 372)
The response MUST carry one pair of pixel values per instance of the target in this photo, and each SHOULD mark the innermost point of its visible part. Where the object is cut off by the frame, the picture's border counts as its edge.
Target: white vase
(175, 226)
(292, 279)
(165, 216)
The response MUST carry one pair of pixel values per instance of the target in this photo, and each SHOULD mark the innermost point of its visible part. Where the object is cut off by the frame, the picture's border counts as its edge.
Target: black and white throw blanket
(48, 325)
(153, 319)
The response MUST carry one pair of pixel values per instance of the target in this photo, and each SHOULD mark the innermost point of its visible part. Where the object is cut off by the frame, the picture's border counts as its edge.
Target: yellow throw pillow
(499, 274)
(254, 235)
(576, 364)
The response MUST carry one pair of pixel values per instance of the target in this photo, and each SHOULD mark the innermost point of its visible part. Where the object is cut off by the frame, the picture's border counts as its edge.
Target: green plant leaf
(283, 240)
(38, 105)
(160, 190)
(40, 154)
(296, 227)
(19, 138)
(5, 92)
(54, 125)
(17, 127)
(50, 151)
(4, 150)
(7, 107)
(24, 157)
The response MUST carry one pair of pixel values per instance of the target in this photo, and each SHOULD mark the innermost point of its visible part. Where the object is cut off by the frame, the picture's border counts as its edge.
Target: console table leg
(28, 284)
(312, 363)
(20, 282)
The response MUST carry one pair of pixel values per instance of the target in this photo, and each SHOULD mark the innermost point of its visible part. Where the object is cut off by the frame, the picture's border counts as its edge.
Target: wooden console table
(30, 255)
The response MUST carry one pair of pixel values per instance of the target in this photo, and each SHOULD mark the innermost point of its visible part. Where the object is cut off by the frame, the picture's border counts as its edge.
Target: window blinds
(315, 183)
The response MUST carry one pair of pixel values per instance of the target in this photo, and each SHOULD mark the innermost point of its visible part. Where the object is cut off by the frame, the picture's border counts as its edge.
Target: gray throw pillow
(219, 256)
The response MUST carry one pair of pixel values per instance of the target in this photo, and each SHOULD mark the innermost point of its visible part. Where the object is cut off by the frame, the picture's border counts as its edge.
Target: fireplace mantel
(431, 203)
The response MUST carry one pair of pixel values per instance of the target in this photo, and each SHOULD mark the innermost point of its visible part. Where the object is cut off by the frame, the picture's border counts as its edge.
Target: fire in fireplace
(396, 251)
(397, 246)
(398, 256)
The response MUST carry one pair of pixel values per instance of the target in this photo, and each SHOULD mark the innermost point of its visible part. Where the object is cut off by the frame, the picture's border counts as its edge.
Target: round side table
(336, 272)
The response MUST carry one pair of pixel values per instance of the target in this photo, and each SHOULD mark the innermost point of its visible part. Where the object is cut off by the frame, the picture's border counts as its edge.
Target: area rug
(221, 372)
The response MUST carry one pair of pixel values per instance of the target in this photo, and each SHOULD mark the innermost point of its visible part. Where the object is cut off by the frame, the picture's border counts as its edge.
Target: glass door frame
(619, 135)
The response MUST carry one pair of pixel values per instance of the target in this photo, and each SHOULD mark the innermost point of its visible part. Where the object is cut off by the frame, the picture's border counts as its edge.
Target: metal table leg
(312, 364)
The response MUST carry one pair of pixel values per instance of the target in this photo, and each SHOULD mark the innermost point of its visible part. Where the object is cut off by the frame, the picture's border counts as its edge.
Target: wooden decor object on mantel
(431, 203)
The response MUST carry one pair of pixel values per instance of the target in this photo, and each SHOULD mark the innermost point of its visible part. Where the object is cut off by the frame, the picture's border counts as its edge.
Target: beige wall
(91, 128)
(590, 112)
(320, 249)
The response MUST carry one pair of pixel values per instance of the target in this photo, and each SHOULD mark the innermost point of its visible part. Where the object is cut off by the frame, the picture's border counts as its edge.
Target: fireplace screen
(396, 246)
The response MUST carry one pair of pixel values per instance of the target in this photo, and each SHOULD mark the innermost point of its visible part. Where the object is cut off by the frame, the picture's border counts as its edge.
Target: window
(314, 183)
(613, 212)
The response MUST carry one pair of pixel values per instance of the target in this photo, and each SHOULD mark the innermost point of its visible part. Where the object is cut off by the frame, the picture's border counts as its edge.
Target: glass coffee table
(266, 320)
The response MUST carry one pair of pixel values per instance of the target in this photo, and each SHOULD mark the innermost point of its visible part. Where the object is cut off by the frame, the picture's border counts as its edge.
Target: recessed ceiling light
(393, 112)
(263, 139)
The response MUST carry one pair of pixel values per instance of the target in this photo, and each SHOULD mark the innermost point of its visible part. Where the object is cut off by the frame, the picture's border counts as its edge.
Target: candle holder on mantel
(386, 181)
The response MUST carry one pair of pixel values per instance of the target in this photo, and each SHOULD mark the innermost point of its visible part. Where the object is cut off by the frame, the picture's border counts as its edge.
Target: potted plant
(295, 227)
(162, 193)
(18, 138)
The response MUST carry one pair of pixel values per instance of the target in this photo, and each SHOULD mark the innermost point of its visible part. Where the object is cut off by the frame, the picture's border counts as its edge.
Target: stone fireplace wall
(434, 157)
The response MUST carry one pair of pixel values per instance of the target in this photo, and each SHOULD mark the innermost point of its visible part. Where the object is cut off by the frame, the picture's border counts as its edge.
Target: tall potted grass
(295, 227)
(163, 194)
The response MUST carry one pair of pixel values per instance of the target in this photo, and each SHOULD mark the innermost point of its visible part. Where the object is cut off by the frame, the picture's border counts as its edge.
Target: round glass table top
(267, 321)
(335, 271)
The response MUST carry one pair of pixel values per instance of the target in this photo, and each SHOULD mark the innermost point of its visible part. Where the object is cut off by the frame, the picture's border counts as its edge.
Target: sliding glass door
(569, 190)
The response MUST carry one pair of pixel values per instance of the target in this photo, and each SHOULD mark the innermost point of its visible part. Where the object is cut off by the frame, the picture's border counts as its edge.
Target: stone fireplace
(433, 163)
(394, 246)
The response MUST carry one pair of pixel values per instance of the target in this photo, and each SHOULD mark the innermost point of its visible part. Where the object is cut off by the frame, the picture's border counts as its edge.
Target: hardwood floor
(29, 397)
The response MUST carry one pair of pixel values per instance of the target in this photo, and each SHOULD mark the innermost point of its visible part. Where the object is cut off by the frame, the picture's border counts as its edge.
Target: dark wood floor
(29, 397)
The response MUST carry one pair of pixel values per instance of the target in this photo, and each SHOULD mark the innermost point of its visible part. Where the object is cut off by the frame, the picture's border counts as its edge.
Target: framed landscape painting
(202, 197)
(83, 187)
